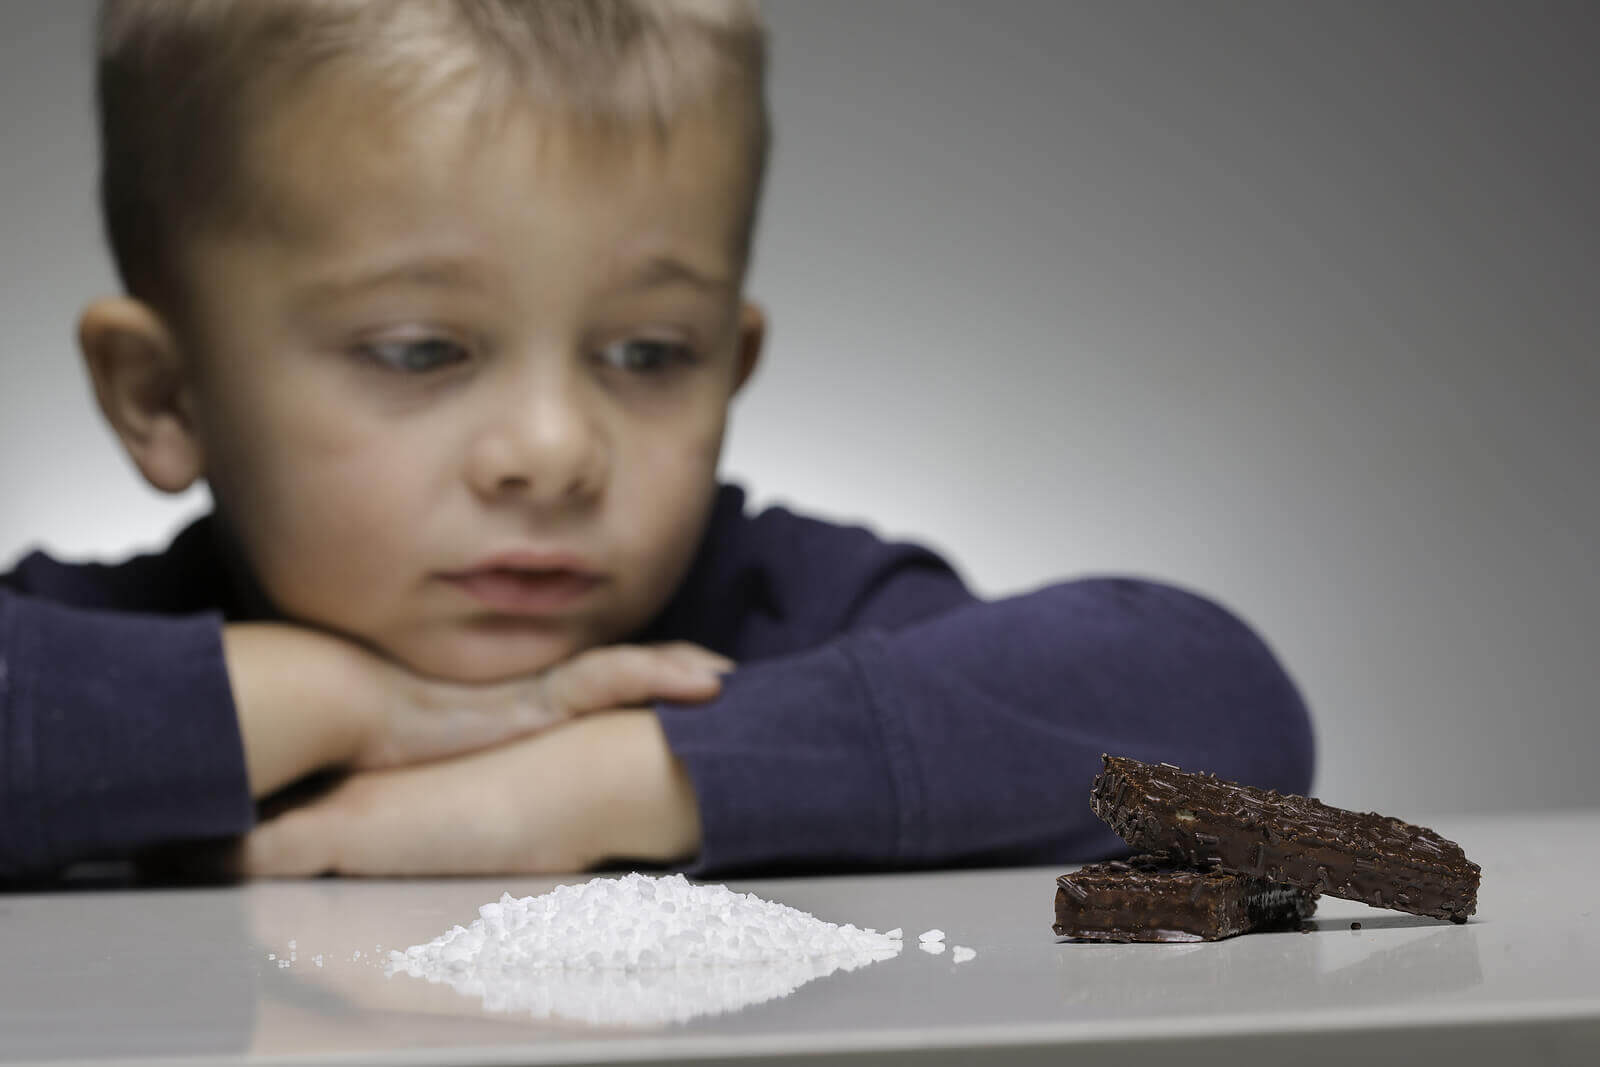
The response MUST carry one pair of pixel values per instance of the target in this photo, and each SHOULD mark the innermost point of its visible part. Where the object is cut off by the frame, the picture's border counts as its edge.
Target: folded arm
(973, 735)
(121, 730)
(117, 731)
(967, 737)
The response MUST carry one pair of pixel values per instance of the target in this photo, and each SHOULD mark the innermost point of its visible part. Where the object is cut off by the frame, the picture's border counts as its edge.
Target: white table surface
(130, 975)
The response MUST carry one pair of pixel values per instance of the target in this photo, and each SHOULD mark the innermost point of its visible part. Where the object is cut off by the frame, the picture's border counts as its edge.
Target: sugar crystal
(637, 949)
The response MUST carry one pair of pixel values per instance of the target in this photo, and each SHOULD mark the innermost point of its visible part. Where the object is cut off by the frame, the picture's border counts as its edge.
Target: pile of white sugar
(638, 949)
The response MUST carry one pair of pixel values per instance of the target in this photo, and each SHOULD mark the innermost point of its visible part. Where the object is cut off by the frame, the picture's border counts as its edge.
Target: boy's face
(466, 404)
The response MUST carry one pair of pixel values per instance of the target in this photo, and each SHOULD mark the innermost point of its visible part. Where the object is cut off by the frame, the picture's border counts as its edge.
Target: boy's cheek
(345, 531)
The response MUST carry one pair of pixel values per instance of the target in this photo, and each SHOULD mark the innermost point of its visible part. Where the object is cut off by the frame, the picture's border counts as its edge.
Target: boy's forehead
(330, 173)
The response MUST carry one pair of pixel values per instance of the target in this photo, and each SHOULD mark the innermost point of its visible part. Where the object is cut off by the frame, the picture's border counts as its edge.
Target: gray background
(1292, 303)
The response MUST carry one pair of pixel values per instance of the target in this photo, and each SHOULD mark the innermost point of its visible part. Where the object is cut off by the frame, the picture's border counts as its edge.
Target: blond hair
(179, 84)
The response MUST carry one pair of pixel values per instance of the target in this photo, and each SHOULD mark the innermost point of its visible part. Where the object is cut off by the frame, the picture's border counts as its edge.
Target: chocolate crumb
(1355, 926)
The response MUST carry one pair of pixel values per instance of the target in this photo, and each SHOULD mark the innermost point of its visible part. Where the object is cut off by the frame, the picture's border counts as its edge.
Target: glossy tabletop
(294, 972)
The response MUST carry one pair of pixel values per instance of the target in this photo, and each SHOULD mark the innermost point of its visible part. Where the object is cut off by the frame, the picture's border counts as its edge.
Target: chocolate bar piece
(1362, 856)
(1155, 898)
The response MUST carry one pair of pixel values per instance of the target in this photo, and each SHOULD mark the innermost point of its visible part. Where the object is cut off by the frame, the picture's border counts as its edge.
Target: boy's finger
(691, 654)
(627, 675)
(296, 844)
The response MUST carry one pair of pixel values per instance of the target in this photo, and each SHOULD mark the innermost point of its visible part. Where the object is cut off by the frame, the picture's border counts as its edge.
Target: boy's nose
(543, 444)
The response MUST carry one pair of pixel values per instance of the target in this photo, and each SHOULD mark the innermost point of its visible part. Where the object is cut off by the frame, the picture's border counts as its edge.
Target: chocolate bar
(1155, 898)
(1298, 840)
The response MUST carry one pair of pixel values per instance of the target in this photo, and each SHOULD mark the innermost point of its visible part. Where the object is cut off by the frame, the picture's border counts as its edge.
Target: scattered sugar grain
(961, 954)
(935, 934)
(896, 934)
(932, 948)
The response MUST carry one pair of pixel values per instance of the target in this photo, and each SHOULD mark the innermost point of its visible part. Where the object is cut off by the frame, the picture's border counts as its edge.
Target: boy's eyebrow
(655, 272)
(670, 270)
(437, 273)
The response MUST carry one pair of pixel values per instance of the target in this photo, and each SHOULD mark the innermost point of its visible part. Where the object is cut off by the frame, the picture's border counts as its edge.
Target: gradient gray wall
(1292, 303)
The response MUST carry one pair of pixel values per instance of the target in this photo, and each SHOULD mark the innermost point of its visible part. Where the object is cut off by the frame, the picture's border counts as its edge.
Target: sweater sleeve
(117, 731)
(972, 735)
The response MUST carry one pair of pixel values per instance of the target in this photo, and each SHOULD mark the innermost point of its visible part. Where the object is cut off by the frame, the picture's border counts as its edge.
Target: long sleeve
(884, 717)
(973, 736)
(117, 731)
(117, 723)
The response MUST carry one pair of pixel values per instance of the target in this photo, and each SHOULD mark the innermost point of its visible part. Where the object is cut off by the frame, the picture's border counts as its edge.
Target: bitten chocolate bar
(1153, 898)
(1297, 840)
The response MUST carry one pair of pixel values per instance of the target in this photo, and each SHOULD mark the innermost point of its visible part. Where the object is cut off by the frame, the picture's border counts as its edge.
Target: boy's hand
(309, 701)
(602, 787)
(423, 720)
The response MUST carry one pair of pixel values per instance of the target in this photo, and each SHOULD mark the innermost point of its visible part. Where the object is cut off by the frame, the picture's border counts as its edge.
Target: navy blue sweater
(881, 715)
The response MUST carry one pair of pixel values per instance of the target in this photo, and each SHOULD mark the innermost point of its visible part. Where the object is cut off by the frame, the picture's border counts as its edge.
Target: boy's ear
(752, 334)
(143, 388)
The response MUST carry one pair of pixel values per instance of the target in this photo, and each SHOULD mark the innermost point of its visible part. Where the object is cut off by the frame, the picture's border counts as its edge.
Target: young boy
(444, 302)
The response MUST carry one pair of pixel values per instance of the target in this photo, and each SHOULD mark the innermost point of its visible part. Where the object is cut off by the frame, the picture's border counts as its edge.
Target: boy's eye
(643, 356)
(416, 356)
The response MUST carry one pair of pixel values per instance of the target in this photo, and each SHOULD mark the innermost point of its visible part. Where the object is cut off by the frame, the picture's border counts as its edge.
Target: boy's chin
(482, 658)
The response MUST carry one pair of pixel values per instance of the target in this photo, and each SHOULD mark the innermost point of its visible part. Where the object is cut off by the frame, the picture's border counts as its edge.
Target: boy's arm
(123, 730)
(117, 731)
(602, 787)
(309, 701)
(973, 735)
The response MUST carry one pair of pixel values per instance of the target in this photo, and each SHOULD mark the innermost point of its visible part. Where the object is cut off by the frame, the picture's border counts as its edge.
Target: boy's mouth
(526, 588)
